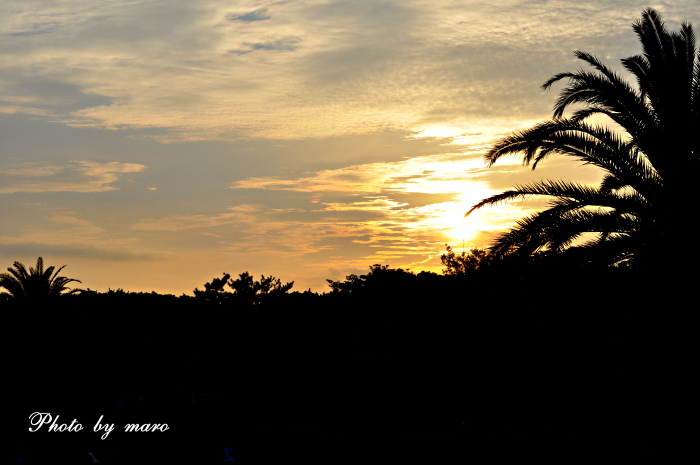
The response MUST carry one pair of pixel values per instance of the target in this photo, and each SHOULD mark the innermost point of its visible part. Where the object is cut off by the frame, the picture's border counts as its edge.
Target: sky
(154, 145)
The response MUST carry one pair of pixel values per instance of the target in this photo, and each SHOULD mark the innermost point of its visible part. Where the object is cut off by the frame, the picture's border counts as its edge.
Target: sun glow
(475, 230)
(459, 227)
(439, 131)
(422, 200)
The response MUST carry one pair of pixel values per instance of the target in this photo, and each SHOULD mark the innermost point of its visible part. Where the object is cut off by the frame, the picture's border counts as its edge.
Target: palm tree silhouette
(651, 170)
(35, 283)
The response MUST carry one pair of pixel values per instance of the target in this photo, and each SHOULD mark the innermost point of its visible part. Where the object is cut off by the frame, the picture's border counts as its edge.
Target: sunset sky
(154, 145)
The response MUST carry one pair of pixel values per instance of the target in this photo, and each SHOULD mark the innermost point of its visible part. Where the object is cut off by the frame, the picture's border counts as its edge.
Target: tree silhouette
(651, 170)
(245, 289)
(35, 283)
(379, 277)
(214, 291)
(465, 262)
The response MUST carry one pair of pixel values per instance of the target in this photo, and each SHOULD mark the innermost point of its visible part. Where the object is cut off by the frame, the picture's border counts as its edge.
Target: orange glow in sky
(152, 146)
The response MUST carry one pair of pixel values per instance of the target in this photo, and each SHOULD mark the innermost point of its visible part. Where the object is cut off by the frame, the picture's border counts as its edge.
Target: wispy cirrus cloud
(80, 251)
(180, 222)
(77, 176)
(445, 173)
(66, 234)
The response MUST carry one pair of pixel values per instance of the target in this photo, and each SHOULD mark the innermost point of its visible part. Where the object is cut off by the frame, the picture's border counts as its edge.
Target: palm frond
(611, 183)
(650, 169)
(36, 283)
(591, 144)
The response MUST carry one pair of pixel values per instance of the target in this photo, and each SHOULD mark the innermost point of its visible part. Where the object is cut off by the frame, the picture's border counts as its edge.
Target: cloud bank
(232, 69)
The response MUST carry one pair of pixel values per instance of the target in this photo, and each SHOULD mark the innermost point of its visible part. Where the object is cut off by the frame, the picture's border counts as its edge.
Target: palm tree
(651, 168)
(35, 283)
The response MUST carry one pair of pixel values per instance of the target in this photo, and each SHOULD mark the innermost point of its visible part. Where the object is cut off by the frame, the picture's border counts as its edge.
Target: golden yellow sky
(153, 145)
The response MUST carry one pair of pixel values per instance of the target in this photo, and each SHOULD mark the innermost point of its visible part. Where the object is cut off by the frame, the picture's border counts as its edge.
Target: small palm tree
(35, 283)
(651, 169)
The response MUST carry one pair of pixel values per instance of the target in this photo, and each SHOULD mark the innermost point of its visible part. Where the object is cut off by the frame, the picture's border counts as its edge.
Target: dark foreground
(467, 375)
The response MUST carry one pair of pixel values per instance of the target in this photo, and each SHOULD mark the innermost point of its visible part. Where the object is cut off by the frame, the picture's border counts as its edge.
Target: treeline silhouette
(546, 362)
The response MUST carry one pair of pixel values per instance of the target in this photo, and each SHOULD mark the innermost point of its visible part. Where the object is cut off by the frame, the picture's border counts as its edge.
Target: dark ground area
(391, 375)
